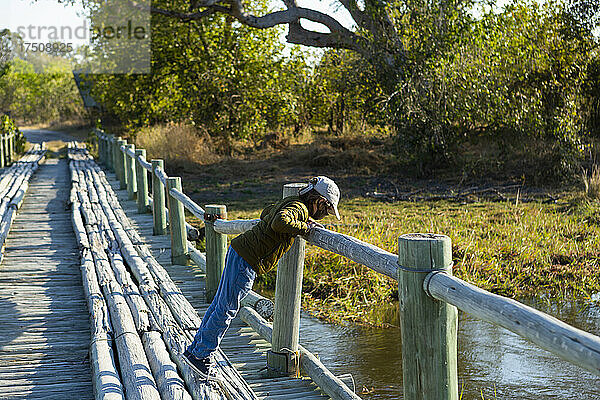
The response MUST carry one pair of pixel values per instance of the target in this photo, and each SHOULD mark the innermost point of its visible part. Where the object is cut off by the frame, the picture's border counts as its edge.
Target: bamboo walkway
(44, 325)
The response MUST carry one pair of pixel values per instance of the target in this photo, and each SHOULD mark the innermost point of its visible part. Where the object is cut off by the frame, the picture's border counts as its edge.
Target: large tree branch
(185, 16)
(339, 36)
(360, 17)
(384, 39)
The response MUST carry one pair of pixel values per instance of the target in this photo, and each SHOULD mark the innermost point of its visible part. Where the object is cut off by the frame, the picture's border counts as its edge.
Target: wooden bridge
(100, 292)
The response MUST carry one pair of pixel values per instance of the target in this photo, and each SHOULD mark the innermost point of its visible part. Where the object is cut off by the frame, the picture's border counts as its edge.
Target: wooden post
(159, 215)
(115, 158)
(179, 251)
(2, 151)
(102, 148)
(216, 249)
(428, 326)
(282, 359)
(105, 149)
(142, 183)
(130, 173)
(121, 164)
(108, 151)
(11, 139)
(5, 150)
(8, 151)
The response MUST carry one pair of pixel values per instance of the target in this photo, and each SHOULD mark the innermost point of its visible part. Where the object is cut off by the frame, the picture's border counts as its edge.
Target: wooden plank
(46, 327)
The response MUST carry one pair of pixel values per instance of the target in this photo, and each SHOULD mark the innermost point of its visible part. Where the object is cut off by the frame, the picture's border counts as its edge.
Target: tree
(585, 12)
(392, 35)
(216, 73)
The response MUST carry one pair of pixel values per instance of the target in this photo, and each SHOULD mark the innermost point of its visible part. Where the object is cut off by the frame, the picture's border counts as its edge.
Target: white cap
(326, 188)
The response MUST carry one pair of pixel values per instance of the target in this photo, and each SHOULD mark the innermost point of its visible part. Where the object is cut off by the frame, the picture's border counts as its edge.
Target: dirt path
(43, 135)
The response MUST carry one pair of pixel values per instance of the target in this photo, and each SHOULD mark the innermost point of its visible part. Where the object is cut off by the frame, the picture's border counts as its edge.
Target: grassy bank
(510, 248)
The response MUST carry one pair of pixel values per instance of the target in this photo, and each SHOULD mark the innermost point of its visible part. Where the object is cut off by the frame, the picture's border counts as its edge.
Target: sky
(42, 15)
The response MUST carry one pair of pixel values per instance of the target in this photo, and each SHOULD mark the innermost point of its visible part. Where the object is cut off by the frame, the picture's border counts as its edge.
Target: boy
(256, 252)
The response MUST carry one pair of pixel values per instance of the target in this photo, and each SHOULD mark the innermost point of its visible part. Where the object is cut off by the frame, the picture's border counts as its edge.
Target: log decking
(44, 328)
(46, 343)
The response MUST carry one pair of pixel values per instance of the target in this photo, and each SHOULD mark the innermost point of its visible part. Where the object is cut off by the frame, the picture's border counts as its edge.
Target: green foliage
(44, 97)
(515, 77)
(7, 127)
(230, 78)
(525, 78)
(345, 91)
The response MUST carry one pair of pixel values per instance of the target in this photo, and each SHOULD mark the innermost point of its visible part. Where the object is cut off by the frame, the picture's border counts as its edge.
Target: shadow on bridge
(44, 329)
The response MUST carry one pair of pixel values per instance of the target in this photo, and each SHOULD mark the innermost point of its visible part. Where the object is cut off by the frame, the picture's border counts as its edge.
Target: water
(491, 360)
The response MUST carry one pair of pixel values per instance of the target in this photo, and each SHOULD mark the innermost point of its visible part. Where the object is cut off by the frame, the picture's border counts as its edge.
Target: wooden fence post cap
(174, 182)
(157, 163)
(423, 236)
(219, 207)
(294, 185)
(292, 189)
(424, 252)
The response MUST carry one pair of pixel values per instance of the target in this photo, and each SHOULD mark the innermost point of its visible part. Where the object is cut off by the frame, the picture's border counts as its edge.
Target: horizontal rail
(234, 227)
(572, 344)
(128, 151)
(162, 176)
(187, 203)
(144, 164)
(377, 259)
(197, 256)
(356, 250)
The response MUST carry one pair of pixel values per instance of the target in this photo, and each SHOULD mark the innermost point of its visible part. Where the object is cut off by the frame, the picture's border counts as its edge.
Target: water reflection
(491, 360)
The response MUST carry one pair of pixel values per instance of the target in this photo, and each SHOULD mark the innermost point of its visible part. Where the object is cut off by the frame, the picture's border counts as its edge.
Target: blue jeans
(236, 281)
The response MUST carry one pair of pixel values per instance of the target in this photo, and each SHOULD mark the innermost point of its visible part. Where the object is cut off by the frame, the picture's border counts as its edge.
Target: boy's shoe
(201, 366)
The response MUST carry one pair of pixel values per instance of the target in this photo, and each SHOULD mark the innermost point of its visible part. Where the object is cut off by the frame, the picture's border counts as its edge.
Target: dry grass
(178, 144)
(591, 181)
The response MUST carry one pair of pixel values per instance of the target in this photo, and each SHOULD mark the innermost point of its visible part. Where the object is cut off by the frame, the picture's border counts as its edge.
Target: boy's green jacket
(264, 244)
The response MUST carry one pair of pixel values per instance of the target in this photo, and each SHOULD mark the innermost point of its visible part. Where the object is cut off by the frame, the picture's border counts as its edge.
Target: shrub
(591, 181)
(518, 77)
(178, 144)
(8, 126)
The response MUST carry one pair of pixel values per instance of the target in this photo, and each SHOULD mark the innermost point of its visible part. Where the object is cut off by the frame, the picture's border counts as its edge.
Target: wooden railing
(7, 149)
(428, 293)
